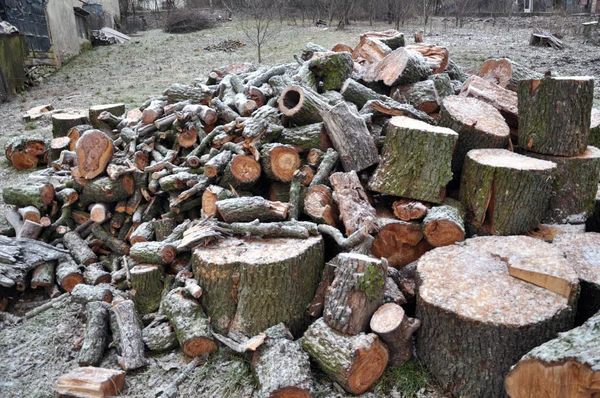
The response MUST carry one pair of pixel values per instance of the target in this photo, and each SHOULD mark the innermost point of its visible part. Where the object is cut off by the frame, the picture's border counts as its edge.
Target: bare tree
(257, 19)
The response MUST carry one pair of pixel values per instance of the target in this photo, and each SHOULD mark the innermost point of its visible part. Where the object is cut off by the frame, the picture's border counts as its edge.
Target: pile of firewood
(261, 205)
(225, 45)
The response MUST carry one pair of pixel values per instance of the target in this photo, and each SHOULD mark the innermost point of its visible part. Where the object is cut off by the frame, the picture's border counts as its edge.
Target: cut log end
(290, 392)
(367, 368)
(69, 282)
(199, 346)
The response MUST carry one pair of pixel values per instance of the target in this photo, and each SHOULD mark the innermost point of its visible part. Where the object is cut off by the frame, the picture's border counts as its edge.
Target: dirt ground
(34, 353)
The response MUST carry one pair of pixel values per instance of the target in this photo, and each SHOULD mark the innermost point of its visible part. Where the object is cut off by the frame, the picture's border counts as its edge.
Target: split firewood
(147, 284)
(91, 382)
(486, 297)
(62, 123)
(566, 366)
(399, 67)
(506, 73)
(445, 225)
(363, 357)
(436, 57)
(505, 193)
(544, 130)
(396, 330)
(295, 379)
(96, 110)
(408, 210)
(127, 335)
(355, 209)
(96, 334)
(355, 293)
(500, 98)
(415, 161)
(83, 294)
(43, 275)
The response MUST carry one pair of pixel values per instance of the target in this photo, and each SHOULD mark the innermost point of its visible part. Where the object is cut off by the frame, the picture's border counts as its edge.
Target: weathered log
(506, 73)
(301, 105)
(485, 315)
(554, 115)
(216, 165)
(422, 95)
(127, 335)
(355, 293)
(43, 275)
(106, 190)
(396, 330)
(195, 94)
(191, 325)
(159, 336)
(445, 225)
(358, 93)
(30, 229)
(95, 274)
(211, 196)
(362, 358)
(96, 334)
(68, 274)
(436, 57)
(79, 249)
(595, 128)
(325, 168)
(147, 284)
(408, 210)
(355, 209)
(114, 244)
(281, 366)
(305, 138)
(500, 98)
(350, 137)
(238, 294)
(285, 229)
(415, 160)
(83, 294)
(91, 382)
(23, 195)
(251, 208)
(143, 233)
(163, 228)
(241, 172)
(399, 242)
(154, 110)
(96, 110)
(399, 67)
(25, 153)
(332, 69)
(62, 123)
(320, 207)
(57, 145)
(162, 253)
(279, 161)
(505, 193)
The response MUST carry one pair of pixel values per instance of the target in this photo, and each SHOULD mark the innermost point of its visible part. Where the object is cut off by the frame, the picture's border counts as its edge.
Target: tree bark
(43, 275)
(506, 73)
(105, 190)
(477, 325)
(62, 123)
(436, 57)
(355, 209)
(396, 330)
(84, 294)
(332, 69)
(68, 274)
(358, 93)
(595, 128)
(326, 167)
(445, 225)
(79, 249)
(96, 110)
(95, 274)
(159, 336)
(305, 138)
(182, 92)
(301, 105)
(147, 284)
(161, 253)
(251, 208)
(127, 335)
(320, 207)
(96, 334)
(143, 233)
(215, 166)
(38, 195)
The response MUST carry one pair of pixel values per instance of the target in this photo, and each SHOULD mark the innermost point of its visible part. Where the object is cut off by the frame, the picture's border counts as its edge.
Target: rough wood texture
(399, 67)
(355, 293)
(396, 330)
(422, 95)
(37, 195)
(251, 208)
(83, 294)
(95, 274)
(106, 190)
(91, 382)
(162, 253)
(332, 69)
(486, 316)
(281, 366)
(320, 207)
(445, 225)
(62, 123)
(96, 334)
(506, 73)
(355, 209)
(127, 335)
(500, 98)
(505, 193)
(595, 128)
(479, 125)
(94, 150)
(159, 336)
(554, 115)
(415, 160)
(68, 274)
(358, 94)
(279, 161)
(355, 362)
(568, 366)
(302, 105)
(305, 138)
(79, 249)
(147, 284)
(350, 137)
(399, 242)
(191, 325)
(195, 94)
(43, 275)
(242, 172)
(96, 110)
(251, 284)
(408, 210)
(436, 57)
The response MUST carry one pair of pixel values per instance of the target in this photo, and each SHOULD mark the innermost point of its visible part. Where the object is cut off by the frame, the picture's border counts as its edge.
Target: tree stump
(504, 100)
(399, 67)
(94, 151)
(353, 202)
(251, 284)
(62, 123)
(554, 115)
(147, 284)
(505, 193)
(96, 334)
(479, 125)
(96, 110)
(396, 330)
(415, 160)
(568, 366)
(355, 362)
(445, 225)
(477, 319)
(506, 73)
(582, 251)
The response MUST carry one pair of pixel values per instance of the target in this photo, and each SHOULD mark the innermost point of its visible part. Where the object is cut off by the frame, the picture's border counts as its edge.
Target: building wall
(110, 7)
(63, 29)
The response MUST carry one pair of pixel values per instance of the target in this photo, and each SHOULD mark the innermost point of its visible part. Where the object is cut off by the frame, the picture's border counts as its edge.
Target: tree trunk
(436, 57)
(567, 366)
(79, 249)
(355, 209)
(191, 325)
(302, 106)
(355, 293)
(96, 334)
(477, 325)
(251, 208)
(320, 207)
(359, 360)
(147, 284)
(396, 330)
(62, 123)
(127, 335)
(445, 225)
(91, 382)
(554, 115)
(502, 99)
(96, 110)
(358, 94)
(505, 193)
(506, 73)
(332, 69)
(415, 161)
(23, 195)
(251, 284)
(399, 67)
(279, 161)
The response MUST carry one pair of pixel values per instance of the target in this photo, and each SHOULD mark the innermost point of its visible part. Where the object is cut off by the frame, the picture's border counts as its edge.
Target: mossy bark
(38, 195)
(305, 138)
(332, 69)
(147, 284)
(105, 190)
(159, 336)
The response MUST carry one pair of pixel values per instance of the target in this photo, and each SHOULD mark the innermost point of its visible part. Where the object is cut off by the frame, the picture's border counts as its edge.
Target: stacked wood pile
(261, 205)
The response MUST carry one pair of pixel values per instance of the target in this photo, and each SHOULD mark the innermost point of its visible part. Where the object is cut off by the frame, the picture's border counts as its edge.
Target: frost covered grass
(405, 381)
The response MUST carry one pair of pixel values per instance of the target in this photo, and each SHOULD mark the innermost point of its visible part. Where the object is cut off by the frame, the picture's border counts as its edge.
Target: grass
(407, 379)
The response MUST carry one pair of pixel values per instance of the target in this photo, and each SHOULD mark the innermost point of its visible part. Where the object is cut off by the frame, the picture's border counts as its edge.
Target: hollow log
(147, 284)
(485, 315)
(96, 334)
(396, 330)
(445, 225)
(500, 98)
(251, 208)
(506, 73)
(399, 67)
(355, 209)
(301, 105)
(62, 123)
(127, 335)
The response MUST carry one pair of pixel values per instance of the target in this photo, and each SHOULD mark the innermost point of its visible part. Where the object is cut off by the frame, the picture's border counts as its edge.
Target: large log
(96, 334)
(305, 138)
(477, 317)
(350, 137)
(595, 128)
(506, 73)
(62, 123)
(355, 293)
(127, 335)
(399, 67)
(25, 153)
(567, 366)
(191, 325)
(91, 382)
(396, 330)
(554, 115)
(505, 193)
(479, 125)
(195, 94)
(251, 284)
(415, 160)
(500, 98)
(436, 56)
(332, 69)
(22, 195)
(359, 360)
(370, 50)
(94, 150)
(355, 209)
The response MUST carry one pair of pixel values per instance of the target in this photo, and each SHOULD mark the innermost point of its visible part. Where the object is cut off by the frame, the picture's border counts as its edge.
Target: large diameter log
(355, 293)
(305, 138)
(350, 137)
(153, 252)
(281, 366)
(554, 115)
(251, 208)
(581, 251)
(567, 366)
(355, 209)
(191, 325)
(147, 284)
(370, 50)
(358, 361)
(22, 195)
(500, 98)
(79, 249)
(251, 284)
(91, 382)
(301, 105)
(399, 67)
(478, 317)
(332, 69)
(96, 334)
(279, 162)
(26, 153)
(415, 160)
(94, 150)
(573, 194)
(399, 242)
(62, 123)
(505, 193)
(445, 225)
(127, 334)
(436, 57)
(506, 73)
(479, 125)
(396, 330)
(96, 110)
